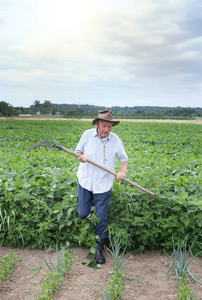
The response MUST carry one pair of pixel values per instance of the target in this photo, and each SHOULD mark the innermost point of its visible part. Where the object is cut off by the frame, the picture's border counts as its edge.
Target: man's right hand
(82, 158)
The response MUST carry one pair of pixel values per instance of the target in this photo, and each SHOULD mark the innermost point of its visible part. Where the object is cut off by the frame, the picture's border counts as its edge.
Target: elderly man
(101, 146)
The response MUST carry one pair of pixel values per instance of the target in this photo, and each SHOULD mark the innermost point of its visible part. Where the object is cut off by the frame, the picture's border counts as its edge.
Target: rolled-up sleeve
(80, 146)
(121, 153)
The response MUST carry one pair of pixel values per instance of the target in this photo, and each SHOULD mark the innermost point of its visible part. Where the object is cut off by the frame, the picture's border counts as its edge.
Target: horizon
(107, 107)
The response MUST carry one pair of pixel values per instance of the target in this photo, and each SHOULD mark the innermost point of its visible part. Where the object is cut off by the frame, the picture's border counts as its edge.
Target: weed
(8, 228)
(7, 265)
(183, 292)
(36, 270)
(116, 281)
(54, 278)
(51, 284)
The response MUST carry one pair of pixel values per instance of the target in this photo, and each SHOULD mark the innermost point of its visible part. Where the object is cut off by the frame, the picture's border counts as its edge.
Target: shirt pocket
(88, 150)
(109, 159)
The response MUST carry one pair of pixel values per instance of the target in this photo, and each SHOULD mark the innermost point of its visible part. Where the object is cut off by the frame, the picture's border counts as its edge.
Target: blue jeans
(101, 201)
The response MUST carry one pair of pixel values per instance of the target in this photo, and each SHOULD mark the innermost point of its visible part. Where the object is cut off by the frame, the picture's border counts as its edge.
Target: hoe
(50, 145)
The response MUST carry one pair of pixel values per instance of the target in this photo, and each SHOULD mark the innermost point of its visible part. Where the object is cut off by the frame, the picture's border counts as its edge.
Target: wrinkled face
(103, 128)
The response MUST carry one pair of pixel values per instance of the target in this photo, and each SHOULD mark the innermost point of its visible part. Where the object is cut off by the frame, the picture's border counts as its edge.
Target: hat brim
(114, 123)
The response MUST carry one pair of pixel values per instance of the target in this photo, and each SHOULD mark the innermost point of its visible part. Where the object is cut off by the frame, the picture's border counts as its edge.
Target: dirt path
(148, 269)
(197, 121)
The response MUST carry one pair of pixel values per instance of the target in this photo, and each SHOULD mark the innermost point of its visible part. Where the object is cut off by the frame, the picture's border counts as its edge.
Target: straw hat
(105, 115)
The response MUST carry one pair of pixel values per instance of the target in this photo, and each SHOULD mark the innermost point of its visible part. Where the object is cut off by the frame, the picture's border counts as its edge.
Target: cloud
(148, 51)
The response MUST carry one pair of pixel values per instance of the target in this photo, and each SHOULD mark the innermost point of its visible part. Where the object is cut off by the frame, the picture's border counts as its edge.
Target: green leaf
(69, 222)
(93, 264)
(92, 250)
(59, 216)
(90, 256)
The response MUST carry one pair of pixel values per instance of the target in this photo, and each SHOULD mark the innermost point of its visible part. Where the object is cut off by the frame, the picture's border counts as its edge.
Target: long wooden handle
(105, 169)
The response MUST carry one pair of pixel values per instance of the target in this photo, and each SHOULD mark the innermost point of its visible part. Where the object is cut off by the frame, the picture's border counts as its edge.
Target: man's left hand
(120, 176)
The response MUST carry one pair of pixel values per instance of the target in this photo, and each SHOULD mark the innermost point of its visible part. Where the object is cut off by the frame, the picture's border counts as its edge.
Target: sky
(101, 52)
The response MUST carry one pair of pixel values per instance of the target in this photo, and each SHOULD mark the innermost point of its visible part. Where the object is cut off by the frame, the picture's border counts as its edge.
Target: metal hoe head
(43, 144)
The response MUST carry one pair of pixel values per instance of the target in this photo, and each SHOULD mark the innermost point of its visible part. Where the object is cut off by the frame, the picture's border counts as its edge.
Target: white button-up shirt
(91, 177)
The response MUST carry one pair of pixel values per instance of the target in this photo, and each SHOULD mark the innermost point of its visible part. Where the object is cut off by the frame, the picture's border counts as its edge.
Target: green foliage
(91, 256)
(115, 287)
(40, 187)
(115, 245)
(180, 263)
(53, 280)
(116, 282)
(63, 260)
(180, 259)
(8, 229)
(7, 265)
(183, 292)
(5, 109)
(51, 284)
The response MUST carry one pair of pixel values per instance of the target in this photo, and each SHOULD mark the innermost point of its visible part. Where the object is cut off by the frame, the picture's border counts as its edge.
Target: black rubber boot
(99, 257)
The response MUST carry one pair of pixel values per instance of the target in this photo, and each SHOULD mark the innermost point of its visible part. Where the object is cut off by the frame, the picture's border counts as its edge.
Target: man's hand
(82, 158)
(120, 176)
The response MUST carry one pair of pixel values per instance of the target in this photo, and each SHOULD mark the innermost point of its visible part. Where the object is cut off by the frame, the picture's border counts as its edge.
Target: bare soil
(197, 121)
(82, 282)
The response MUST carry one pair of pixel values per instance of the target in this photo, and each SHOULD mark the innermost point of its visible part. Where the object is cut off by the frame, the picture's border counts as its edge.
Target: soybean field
(38, 189)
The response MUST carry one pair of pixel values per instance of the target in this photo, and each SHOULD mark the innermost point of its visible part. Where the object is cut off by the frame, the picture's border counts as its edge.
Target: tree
(6, 109)
(80, 112)
(93, 112)
(37, 104)
(69, 112)
(47, 104)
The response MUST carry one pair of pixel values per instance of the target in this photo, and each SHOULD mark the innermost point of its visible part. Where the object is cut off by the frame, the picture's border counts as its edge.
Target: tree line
(71, 110)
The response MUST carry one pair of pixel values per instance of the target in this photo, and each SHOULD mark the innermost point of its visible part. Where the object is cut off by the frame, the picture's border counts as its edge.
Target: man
(102, 146)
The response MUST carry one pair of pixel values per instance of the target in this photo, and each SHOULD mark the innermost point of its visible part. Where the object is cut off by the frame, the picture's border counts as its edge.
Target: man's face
(104, 128)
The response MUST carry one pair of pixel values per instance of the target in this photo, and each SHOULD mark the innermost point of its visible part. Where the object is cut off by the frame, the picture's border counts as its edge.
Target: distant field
(45, 117)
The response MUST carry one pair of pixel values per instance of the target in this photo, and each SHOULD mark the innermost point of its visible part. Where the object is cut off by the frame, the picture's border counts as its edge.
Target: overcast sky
(101, 52)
